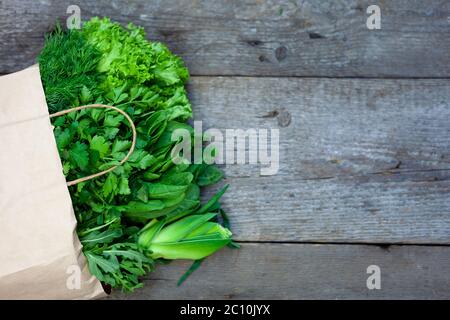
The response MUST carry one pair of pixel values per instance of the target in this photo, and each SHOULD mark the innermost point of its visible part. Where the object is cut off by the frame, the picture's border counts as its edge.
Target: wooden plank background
(266, 37)
(364, 163)
(360, 160)
(304, 271)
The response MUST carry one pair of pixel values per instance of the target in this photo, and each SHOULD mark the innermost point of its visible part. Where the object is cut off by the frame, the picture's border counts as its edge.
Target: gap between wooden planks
(305, 271)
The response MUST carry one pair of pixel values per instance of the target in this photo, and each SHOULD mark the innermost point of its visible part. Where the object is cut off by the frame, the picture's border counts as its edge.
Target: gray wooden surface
(265, 37)
(301, 271)
(360, 160)
(364, 163)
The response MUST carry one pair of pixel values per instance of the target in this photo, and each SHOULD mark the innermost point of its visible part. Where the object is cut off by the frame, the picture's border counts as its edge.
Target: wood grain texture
(334, 127)
(303, 271)
(365, 209)
(262, 38)
(360, 160)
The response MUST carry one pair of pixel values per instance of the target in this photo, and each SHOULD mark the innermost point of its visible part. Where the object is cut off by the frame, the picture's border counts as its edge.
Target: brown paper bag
(40, 254)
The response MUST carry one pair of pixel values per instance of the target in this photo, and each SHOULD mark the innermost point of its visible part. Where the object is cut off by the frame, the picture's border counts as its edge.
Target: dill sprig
(67, 64)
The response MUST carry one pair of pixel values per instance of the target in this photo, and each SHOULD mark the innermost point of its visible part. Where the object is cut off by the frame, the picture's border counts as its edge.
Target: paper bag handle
(103, 106)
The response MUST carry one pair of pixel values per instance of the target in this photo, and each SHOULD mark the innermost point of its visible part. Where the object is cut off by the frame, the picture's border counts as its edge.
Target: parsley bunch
(149, 197)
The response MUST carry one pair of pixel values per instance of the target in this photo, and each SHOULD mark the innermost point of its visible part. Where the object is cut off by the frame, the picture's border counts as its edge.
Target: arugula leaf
(96, 262)
(103, 237)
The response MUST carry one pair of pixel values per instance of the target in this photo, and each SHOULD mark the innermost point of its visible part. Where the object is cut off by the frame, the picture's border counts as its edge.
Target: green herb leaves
(67, 66)
(149, 196)
(79, 156)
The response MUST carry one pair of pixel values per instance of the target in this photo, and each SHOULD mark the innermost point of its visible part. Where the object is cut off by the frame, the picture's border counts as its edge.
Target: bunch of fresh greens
(148, 209)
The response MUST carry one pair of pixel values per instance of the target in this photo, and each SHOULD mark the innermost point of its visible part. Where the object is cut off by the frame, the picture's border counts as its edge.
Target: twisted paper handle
(100, 106)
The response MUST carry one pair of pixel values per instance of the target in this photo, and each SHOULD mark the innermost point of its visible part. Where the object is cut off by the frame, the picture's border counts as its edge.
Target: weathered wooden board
(302, 271)
(332, 127)
(365, 209)
(285, 38)
(360, 160)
